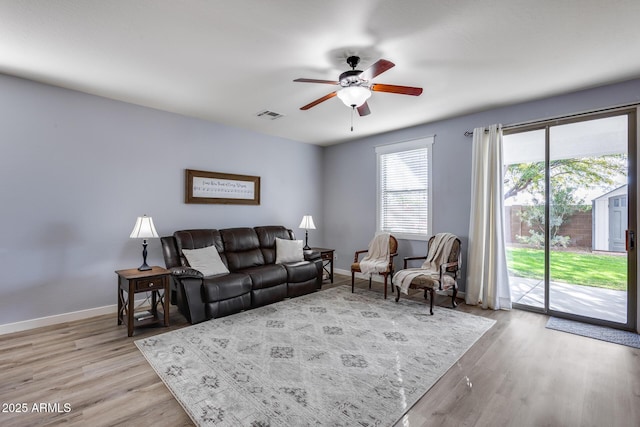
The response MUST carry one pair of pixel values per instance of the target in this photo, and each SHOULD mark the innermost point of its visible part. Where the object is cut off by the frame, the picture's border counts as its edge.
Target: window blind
(403, 189)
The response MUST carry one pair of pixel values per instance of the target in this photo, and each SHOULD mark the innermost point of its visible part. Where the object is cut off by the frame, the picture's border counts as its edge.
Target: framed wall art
(221, 188)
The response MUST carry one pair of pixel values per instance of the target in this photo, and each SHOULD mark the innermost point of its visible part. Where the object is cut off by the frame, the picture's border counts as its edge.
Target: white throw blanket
(377, 258)
(438, 254)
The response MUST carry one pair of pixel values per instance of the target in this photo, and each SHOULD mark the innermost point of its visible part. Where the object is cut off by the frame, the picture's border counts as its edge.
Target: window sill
(405, 236)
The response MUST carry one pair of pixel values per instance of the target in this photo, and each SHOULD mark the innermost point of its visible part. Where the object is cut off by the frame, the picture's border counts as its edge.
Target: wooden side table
(327, 260)
(133, 281)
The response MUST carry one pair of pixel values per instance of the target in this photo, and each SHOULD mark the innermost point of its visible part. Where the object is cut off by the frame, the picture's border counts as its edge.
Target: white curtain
(487, 276)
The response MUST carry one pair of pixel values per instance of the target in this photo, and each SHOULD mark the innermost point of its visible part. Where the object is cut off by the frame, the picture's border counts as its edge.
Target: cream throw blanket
(377, 258)
(438, 254)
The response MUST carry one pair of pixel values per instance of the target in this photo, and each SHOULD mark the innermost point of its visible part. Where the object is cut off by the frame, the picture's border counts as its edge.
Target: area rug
(603, 333)
(331, 358)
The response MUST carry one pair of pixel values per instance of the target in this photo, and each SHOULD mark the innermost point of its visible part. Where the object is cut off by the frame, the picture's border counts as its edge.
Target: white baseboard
(380, 279)
(25, 325)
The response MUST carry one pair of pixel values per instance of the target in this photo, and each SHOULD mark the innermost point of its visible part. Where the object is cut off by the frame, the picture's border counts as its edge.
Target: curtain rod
(555, 119)
(469, 133)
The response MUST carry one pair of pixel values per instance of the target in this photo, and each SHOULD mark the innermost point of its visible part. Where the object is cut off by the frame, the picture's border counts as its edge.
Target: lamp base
(306, 241)
(144, 266)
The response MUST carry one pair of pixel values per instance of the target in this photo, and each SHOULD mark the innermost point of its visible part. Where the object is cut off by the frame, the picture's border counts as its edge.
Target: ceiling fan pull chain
(353, 107)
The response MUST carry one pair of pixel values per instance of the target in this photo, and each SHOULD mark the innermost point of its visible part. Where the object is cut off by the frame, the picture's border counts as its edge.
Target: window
(404, 189)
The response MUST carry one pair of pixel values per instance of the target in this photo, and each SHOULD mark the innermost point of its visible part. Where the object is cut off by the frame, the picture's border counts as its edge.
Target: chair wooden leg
(353, 279)
(398, 291)
(431, 294)
(369, 281)
(385, 286)
(453, 297)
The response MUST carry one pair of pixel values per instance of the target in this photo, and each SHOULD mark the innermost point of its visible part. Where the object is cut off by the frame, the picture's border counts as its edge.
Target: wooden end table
(133, 281)
(327, 260)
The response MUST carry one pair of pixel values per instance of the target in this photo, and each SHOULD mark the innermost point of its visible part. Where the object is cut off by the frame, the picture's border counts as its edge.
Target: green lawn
(601, 271)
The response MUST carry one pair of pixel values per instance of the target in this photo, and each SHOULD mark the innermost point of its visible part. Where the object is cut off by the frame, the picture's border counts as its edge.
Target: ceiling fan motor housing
(350, 78)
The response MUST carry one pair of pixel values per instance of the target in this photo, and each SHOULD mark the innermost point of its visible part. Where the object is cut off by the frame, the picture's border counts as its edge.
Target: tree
(566, 176)
(563, 205)
(582, 173)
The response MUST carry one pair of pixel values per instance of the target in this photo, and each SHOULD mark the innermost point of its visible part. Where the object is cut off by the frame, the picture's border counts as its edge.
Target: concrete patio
(605, 304)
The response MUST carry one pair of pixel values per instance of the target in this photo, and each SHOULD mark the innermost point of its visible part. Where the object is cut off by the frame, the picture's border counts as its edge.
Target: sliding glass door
(525, 206)
(570, 215)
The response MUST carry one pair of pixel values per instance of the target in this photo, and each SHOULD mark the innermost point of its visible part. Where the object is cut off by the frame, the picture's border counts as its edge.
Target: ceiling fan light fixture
(354, 96)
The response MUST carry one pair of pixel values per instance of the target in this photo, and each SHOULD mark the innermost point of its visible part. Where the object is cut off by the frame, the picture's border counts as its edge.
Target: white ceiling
(225, 61)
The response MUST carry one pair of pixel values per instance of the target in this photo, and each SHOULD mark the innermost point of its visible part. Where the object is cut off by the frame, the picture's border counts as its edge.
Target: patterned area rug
(329, 358)
(603, 333)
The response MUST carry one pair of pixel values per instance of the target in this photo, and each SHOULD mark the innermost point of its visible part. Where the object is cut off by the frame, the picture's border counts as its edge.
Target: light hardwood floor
(518, 374)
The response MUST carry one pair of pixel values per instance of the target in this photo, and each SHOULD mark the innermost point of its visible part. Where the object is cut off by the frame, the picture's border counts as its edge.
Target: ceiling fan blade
(402, 90)
(318, 101)
(330, 82)
(363, 110)
(376, 69)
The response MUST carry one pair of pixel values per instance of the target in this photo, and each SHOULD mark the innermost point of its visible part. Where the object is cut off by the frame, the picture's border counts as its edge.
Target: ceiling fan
(356, 86)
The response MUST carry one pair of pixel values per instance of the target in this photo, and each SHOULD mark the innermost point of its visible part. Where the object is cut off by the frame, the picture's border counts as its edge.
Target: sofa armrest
(311, 255)
(189, 295)
(183, 272)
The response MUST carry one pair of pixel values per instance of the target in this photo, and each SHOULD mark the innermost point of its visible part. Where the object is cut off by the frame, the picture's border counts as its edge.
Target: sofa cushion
(225, 286)
(242, 248)
(227, 306)
(288, 250)
(266, 276)
(301, 271)
(302, 288)
(196, 239)
(267, 237)
(260, 297)
(205, 260)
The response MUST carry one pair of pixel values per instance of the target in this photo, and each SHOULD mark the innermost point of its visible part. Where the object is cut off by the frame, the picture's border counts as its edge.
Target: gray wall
(76, 170)
(350, 170)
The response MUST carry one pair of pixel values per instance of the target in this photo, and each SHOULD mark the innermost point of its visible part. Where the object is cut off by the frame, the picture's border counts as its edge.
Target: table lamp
(144, 229)
(307, 224)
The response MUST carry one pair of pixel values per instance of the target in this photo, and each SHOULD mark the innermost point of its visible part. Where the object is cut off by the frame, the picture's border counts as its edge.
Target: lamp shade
(144, 228)
(354, 96)
(307, 223)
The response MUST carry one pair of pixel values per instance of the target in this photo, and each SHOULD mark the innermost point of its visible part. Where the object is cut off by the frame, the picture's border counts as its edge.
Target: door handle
(630, 240)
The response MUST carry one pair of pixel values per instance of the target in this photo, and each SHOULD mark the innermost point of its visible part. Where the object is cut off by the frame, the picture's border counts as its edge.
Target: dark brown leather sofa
(254, 279)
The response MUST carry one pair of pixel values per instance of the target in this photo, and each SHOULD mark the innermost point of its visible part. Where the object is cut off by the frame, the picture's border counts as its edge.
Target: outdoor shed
(610, 220)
